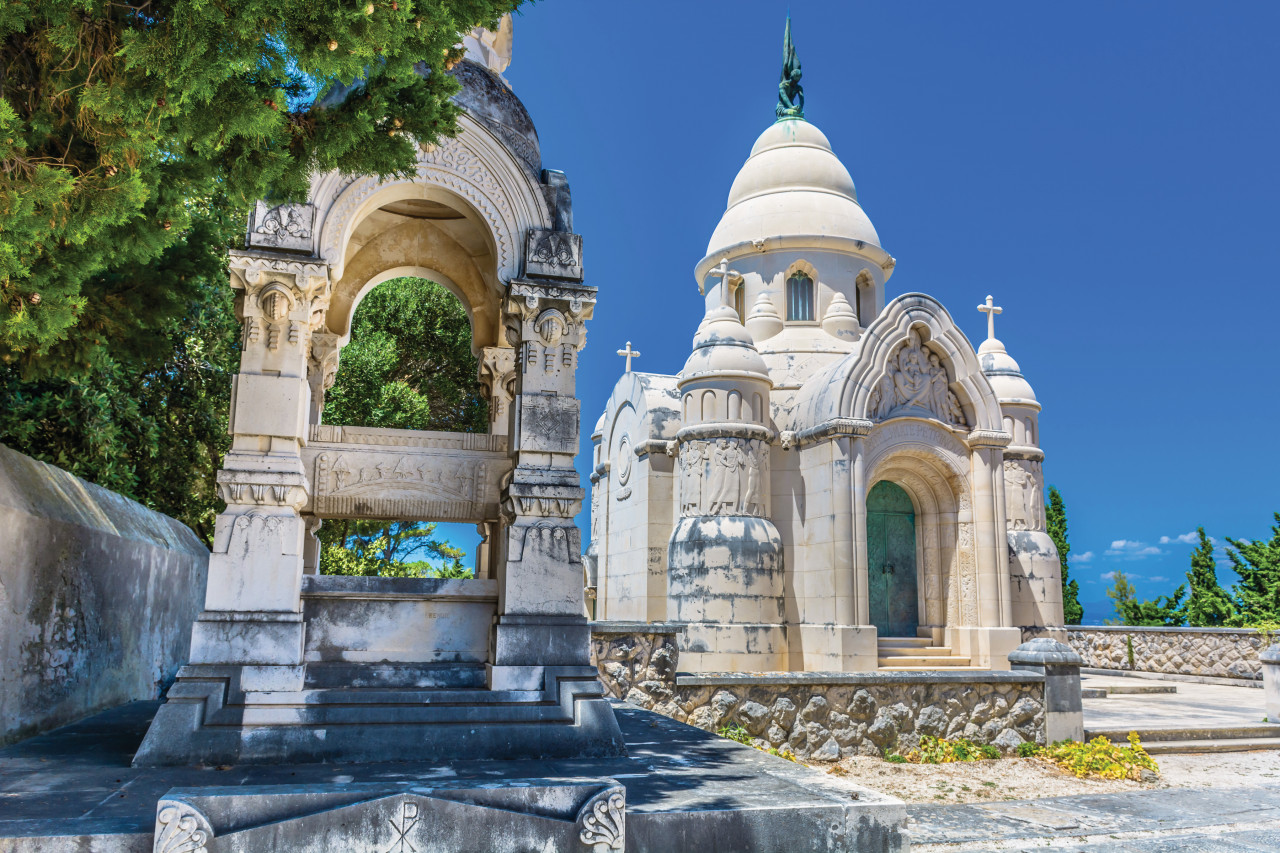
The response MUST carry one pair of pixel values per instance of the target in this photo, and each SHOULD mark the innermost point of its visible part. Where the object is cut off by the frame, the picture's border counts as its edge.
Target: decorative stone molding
(285, 299)
(989, 438)
(498, 378)
(834, 428)
(262, 488)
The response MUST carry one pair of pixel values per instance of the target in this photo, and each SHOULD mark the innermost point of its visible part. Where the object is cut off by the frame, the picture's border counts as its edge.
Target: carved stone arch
(935, 507)
(473, 166)
(923, 316)
(801, 265)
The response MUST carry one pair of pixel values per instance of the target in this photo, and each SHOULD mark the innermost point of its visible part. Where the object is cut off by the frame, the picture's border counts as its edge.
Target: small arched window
(800, 297)
(739, 302)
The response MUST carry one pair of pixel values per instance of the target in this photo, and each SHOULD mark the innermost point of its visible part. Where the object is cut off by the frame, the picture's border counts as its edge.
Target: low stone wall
(97, 597)
(821, 716)
(1219, 652)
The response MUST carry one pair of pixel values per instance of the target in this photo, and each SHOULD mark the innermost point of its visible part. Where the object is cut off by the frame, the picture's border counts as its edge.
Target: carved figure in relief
(726, 477)
(752, 502)
(691, 470)
(915, 378)
(340, 472)
(1022, 496)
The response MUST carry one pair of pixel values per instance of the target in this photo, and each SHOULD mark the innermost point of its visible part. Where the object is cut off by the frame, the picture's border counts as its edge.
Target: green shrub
(1102, 758)
(936, 750)
(1028, 750)
(783, 752)
(896, 759)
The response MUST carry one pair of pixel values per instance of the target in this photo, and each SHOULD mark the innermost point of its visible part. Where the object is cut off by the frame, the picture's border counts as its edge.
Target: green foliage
(1100, 757)
(1027, 749)
(148, 420)
(936, 750)
(116, 118)
(735, 732)
(409, 364)
(1166, 611)
(1208, 605)
(895, 758)
(1056, 518)
(384, 549)
(1128, 650)
(1268, 630)
(1257, 562)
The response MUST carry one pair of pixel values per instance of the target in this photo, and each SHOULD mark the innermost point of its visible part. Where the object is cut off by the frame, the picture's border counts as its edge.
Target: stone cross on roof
(991, 310)
(727, 276)
(630, 354)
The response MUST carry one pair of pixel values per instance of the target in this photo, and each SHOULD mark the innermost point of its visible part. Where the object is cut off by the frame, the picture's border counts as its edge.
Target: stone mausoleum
(834, 481)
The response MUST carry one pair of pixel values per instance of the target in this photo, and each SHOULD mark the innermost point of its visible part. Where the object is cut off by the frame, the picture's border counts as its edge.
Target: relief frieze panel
(1023, 494)
(915, 381)
(724, 476)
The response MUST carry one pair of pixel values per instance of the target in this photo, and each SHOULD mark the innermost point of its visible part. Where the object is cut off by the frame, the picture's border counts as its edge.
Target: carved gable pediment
(915, 382)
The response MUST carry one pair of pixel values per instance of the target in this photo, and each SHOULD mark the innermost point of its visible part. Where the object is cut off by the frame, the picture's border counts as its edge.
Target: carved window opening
(800, 297)
(739, 302)
(393, 504)
(863, 297)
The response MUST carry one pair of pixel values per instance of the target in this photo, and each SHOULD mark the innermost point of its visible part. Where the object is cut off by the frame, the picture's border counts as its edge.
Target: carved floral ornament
(602, 821)
(915, 379)
(180, 829)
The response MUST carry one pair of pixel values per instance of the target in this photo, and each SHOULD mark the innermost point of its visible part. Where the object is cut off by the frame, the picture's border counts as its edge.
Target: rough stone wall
(97, 597)
(1221, 652)
(823, 720)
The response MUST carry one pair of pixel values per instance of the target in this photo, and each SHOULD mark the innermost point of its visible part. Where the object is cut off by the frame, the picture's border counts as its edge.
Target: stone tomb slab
(684, 790)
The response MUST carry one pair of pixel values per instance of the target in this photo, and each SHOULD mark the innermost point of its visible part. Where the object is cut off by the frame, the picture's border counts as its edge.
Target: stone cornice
(834, 428)
(1024, 451)
(988, 438)
(724, 430)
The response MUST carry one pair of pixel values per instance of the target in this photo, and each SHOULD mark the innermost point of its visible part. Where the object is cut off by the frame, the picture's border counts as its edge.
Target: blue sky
(1106, 170)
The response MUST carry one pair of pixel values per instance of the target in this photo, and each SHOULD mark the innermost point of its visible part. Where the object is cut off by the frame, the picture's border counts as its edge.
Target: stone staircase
(915, 653)
(1207, 739)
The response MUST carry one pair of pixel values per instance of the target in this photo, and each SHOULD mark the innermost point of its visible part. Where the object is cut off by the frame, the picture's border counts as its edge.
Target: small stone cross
(727, 277)
(991, 310)
(630, 354)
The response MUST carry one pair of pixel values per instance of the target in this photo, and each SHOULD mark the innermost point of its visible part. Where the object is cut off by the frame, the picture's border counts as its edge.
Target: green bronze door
(891, 560)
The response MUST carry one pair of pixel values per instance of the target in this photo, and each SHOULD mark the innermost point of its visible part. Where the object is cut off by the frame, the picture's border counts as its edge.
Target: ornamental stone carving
(724, 476)
(1023, 494)
(553, 254)
(285, 226)
(915, 380)
(180, 828)
(602, 820)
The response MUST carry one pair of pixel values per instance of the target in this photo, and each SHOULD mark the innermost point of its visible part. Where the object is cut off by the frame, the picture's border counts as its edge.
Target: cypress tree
(1208, 605)
(1056, 521)
(1257, 596)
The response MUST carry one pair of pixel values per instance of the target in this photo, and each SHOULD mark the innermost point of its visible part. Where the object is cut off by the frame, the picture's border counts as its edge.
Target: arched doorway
(891, 554)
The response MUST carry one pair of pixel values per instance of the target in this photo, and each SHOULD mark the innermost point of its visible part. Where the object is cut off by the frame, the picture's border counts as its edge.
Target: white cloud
(1157, 579)
(1086, 557)
(1192, 538)
(1131, 549)
(1108, 576)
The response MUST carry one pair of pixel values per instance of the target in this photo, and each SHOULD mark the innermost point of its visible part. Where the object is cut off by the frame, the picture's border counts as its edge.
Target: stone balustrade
(1219, 652)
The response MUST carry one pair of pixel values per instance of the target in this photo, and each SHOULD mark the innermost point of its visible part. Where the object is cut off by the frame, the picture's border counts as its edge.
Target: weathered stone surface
(821, 720)
(96, 596)
(1220, 652)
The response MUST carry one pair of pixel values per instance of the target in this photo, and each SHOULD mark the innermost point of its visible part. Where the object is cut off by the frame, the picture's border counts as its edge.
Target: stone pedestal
(1063, 711)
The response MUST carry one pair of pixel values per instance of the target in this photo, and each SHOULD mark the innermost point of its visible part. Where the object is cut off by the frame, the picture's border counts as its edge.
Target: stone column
(541, 621)
(843, 561)
(253, 614)
(1271, 681)
(1063, 711)
(861, 585)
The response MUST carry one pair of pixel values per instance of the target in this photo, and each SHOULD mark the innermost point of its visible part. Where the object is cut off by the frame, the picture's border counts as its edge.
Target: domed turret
(1018, 401)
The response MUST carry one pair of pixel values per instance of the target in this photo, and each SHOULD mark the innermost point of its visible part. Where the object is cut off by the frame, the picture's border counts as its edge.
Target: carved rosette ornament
(602, 821)
(915, 382)
(180, 828)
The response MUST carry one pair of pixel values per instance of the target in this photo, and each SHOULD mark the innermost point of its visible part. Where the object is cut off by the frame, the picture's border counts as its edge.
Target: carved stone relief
(602, 821)
(285, 226)
(724, 476)
(355, 483)
(915, 379)
(180, 829)
(553, 254)
(1023, 495)
(498, 378)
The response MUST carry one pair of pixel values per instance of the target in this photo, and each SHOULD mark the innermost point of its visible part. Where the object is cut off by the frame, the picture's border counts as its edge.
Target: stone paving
(1195, 820)
(1192, 706)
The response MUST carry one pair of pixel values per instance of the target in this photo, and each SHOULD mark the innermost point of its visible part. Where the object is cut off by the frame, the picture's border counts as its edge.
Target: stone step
(1131, 689)
(1236, 744)
(883, 668)
(1207, 733)
(923, 662)
(904, 642)
(330, 675)
(915, 651)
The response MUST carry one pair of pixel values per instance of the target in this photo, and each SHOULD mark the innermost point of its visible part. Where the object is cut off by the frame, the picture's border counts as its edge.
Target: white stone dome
(1006, 378)
(722, 348)
(792, 185)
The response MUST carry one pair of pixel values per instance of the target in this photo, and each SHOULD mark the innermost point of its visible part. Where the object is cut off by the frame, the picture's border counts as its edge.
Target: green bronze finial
(790, 94)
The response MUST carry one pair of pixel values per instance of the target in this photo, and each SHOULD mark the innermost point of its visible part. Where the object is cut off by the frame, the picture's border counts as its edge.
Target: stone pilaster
(541, 621)
(253, 614)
